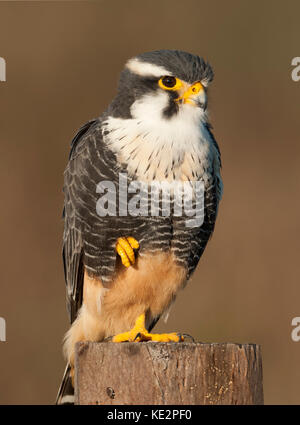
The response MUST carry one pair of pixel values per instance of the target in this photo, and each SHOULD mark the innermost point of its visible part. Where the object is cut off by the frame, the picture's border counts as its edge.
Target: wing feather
(72, 241)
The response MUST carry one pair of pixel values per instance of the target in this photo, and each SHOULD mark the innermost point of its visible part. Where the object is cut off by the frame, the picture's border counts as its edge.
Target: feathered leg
(86, 327)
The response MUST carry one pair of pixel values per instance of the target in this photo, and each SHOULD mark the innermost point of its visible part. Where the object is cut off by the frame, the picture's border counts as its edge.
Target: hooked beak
(193, 95)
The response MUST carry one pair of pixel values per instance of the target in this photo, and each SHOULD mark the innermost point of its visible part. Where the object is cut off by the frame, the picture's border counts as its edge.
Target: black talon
(180, 335)
(137, 335)
(188, 336)
(108, 339)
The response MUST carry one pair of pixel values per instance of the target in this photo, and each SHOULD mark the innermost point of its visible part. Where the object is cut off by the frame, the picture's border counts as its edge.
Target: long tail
(65, 393)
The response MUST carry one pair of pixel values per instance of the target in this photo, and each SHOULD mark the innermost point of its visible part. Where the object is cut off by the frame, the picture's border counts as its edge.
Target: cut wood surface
(168, 373)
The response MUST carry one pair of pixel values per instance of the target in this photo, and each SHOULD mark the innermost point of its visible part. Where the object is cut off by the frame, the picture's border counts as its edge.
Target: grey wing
(72, 239)
(73, 268)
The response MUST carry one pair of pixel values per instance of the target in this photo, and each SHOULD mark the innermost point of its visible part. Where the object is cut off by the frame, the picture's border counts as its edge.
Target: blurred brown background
(63, 62)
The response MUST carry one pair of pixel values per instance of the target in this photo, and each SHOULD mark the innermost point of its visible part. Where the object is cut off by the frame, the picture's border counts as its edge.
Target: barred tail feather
(66, 391)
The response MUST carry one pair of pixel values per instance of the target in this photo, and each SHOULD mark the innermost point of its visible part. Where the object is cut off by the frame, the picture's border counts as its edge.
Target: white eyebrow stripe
(146, 68)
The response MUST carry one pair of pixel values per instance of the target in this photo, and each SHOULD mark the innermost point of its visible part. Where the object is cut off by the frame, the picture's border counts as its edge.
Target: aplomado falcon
(123, 268)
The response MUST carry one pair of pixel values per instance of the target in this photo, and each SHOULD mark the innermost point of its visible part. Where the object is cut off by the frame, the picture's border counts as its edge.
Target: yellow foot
(140, 333)
(125, 248)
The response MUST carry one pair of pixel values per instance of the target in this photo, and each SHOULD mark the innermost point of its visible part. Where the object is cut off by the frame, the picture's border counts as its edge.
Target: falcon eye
(169, 83)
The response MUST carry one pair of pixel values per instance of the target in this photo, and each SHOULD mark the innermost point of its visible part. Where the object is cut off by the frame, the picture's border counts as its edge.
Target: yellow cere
(194, 89)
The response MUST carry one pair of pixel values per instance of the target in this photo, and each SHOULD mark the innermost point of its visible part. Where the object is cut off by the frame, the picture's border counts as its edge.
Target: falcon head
(162, 85)
(158, 117)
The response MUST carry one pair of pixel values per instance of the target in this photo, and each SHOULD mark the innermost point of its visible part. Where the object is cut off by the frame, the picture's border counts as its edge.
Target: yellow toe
(139, 333)
(125, 248)
(133, 242)
(135, 334)
(121, 337)
(171, 337)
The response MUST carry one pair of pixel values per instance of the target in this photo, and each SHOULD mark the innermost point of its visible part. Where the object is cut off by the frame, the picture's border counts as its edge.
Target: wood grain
(168, 373)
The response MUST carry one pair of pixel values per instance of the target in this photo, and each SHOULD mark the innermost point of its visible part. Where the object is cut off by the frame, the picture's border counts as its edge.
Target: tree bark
(168, 373)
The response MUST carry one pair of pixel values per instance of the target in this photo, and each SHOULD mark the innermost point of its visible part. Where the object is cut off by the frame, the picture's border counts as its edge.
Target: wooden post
(168, 373)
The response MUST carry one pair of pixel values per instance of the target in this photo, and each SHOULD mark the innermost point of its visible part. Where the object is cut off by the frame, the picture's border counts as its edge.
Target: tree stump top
(168, 373)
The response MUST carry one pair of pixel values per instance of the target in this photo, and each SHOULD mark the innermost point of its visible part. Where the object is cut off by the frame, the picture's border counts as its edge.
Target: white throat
(155, 147)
